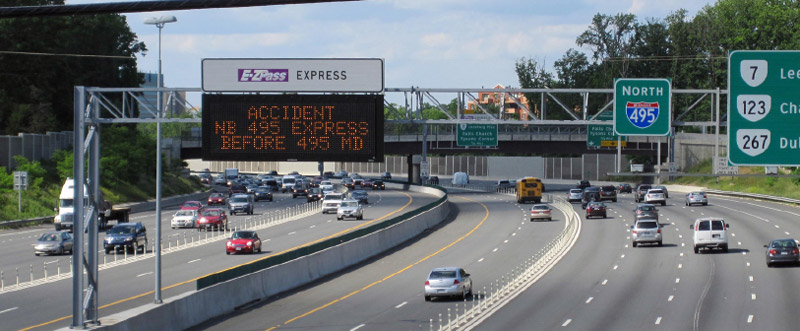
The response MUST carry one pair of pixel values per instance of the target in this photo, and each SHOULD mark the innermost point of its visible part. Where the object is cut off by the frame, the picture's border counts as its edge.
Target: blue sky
(425, 43)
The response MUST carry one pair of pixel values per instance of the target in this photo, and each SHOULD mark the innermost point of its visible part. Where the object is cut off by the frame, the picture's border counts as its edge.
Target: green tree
(611, 39)
(36, 89)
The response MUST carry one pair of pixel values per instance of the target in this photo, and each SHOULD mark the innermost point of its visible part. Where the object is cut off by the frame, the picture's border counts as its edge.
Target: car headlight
(203, 220)
(229, 244)
(249, 243)
(128, 239)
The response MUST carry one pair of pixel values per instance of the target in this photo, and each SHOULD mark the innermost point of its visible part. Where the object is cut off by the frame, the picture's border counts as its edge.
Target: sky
(424, 43)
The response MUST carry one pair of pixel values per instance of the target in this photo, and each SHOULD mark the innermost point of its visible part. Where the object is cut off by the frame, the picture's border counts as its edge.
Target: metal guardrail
(754, 196)
(18, 223)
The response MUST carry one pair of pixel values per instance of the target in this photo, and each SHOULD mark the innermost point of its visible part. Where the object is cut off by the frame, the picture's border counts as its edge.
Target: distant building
(509, 103)
(174, 106)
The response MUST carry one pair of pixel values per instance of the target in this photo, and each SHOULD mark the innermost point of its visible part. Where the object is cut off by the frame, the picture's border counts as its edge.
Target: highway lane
(488, 235)
(17, 245)
(130, 285)
(604, 282)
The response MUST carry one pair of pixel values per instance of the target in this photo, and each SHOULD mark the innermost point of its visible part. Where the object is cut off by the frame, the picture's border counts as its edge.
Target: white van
(710, 232)
(460, 178)
(331, 202)
(288, 183)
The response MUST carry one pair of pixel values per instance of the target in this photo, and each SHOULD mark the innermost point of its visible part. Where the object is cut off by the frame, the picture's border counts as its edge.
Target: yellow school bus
(529, 189)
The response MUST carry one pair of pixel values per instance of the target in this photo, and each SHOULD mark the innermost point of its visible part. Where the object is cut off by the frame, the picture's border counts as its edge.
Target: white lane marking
(751, 278)
(787, 233)
(677, 280)
(680, 266)
(505, 241)
(513, 234)
(777, 226)
(615, 267)
(8, 310)
(494, 250)
(144, 274)
(589, 299)
(750, 319)
(481, 260)
(293, 232)
(193, 261)
(744, 253)
(402, 304)
(683, 244)
(567, 322)
(313, 226)
(681, 254)
(358, 327)
(670, 298)
(740, 243)
(733, 235)
(626, 245)
(748, 264)
(680, 236)
(605, 281)
(622, 256)
(658, 320)
(753, 297)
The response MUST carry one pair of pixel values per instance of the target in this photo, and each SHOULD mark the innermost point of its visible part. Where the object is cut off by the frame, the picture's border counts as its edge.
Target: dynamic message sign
(642, 107)
(764, 108)
(293, 75)
(292, 127)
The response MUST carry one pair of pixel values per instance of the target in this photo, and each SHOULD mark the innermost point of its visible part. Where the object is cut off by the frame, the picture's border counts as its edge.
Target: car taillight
(659, 231)
(456, 282)
(427, 283)
(795, 251)
(772, 252)
(634, 231)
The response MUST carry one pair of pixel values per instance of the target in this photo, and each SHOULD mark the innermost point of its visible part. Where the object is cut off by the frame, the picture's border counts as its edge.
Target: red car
(216, 199)
(192, 205)
(596, 209)
(367, 183)
(244, 241)
(212, 218)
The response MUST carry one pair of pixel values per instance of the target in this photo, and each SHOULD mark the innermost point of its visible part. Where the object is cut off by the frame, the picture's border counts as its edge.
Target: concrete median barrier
(182, 312)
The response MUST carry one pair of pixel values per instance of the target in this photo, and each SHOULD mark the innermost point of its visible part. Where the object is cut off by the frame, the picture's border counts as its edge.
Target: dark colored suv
(300, 189)
(584, 184)
(591, 193)
(131, 236)
(608, 192)
(641, 191)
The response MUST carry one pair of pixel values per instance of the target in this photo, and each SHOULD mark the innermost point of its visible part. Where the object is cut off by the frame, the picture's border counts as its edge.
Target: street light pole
(159, 23)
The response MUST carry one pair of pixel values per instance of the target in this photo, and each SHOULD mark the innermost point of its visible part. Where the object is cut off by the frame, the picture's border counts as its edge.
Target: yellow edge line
(410, 200)
(485, 217)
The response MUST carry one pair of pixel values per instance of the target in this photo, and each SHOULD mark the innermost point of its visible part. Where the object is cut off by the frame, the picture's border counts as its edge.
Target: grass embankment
(778, 186)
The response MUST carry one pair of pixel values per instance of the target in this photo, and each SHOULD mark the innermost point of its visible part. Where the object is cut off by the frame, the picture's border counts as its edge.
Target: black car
(591, 193)
(625, 188)
(237, 188)
(361, 196)
(641, 191)
(300, 189)
(378, 185)
(314, 194)
(131, 236)
(386, 175)
(584, 184)
(432, 180)
(262, 193)
(272, 173)
(328, 174)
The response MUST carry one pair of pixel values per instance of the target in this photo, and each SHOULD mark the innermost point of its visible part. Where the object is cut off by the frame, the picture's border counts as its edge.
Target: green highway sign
(642, 107)
(476, 134)
(602, 136)
(764, 108)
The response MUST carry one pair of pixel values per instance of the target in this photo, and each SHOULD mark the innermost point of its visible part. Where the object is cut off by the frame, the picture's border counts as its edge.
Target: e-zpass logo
(263, 75)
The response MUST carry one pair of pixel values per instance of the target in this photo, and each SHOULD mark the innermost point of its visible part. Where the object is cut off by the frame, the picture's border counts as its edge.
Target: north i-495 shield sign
(642, 107)
(764, 108)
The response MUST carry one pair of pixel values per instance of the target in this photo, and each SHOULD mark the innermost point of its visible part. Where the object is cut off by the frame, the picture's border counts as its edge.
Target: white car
(326, 186)
(349, 208)
(655, 196)
(331, 202)
(184, 219)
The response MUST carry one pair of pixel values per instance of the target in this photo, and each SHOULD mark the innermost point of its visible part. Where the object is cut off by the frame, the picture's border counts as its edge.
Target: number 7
(755, 68)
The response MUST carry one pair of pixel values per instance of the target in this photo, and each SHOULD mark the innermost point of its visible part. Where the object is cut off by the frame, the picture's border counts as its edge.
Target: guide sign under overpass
(481, 135)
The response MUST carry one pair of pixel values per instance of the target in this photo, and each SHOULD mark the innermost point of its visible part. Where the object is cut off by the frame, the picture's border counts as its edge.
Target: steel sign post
(642, 107)
(763, 108)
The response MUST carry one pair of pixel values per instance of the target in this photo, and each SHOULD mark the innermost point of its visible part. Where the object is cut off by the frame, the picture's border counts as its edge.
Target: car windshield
(190, 204)
(575, 190)
(655, 192)
(121, 230)
(185, 213)
(325, 183)
(697, 194)
(596, 204)
(216, 195)
(608, 188)
(442, 274)
(350, 204)
(262, 190)
(784, 244)
(66, 203)
(239, 199)
(212, 212)
(243, 235)
(50, 237)
(647, 208)
(333, 197)
(541, 207)
(647, 225)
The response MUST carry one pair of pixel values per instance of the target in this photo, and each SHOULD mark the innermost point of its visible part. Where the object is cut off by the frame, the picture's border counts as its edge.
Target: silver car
(698, 197)
(645, 231)
(448, 282)
(574, 195)
(654, 196)
(59, 242)
(350, 208)
(541, 211)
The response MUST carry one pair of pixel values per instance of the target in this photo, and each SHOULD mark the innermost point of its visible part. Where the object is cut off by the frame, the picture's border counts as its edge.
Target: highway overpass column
(77, 211)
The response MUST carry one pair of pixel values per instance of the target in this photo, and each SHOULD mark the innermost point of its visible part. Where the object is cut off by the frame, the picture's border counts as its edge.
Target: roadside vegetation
(778, 186)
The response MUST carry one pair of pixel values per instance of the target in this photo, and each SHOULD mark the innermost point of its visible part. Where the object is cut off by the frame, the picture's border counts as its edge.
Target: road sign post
(20, 183)
(763, 108)
(642, 107)
(471, 135)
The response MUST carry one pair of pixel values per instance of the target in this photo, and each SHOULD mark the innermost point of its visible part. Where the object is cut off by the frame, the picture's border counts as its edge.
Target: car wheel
(705, 203)
(634, 244)
(58, 227)
(615, 200)
(227, 253)
(549, 219)
(338, 218)
(360, 217)
(664, 203)
(769, 265)
(427, 298)
(108, 251)
(725, 249)
(696, 250)
(37, 254)
(604, 216)
(660, 243)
